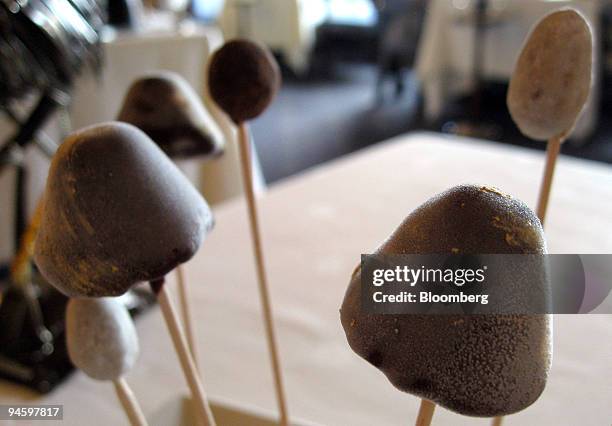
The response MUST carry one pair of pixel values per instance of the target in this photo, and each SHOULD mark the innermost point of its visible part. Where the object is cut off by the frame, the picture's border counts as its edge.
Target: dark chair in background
(399, 27)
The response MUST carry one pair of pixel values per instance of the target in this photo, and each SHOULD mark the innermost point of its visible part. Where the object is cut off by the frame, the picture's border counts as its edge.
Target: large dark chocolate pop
(477, 365)
(166, 108)
(117, 211)
(243, 78)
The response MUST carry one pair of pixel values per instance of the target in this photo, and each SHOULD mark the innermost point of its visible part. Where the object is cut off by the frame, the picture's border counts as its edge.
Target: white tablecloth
(314, 228)
(444, 60)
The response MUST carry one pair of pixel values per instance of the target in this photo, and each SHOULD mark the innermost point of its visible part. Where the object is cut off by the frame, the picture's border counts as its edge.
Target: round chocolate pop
(243, 78)
(166, 108)
(477, 365)
(117, 212)
(101, 337)
(553, 76)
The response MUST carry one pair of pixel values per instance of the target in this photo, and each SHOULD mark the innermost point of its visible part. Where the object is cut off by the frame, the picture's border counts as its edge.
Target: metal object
(44, 45)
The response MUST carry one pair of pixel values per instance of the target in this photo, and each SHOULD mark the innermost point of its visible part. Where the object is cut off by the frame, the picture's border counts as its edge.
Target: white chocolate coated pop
(101, 337)
(552, 78)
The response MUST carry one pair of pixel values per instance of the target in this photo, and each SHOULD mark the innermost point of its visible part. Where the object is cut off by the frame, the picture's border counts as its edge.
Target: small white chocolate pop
(103, 343)
(551, 84)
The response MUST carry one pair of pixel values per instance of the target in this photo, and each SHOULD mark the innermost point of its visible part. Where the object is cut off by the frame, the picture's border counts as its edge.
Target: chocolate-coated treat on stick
(164, 106)
(243, 80)
(550, 85)
(167, 109)
(118, 211)
(103, 343)
(477, 365)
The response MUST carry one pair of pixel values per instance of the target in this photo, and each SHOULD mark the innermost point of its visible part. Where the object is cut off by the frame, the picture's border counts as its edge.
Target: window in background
(207, 10)
(352, 12)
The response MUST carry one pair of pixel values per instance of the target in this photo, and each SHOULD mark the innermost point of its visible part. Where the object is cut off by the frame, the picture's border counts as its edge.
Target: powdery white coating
(553, 76)
(476, 365)
(101, 337)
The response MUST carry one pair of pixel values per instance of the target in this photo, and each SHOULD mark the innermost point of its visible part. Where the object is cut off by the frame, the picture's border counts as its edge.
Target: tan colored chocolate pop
(553, 76)
(550, 86)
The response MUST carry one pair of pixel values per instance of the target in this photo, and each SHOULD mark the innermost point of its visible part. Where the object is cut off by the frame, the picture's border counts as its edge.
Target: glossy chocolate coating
(477, 365)
(117, 211)
(167, 109)
(101, 337)
(552, 78)
(244, 78)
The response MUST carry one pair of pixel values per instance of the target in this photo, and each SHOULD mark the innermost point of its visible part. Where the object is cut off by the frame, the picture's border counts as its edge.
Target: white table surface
(315, 226)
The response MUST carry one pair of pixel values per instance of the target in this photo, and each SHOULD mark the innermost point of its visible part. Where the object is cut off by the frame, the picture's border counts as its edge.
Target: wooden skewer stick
(247, 178)
(426, 412)
(185, 307)
(129, 403)
(552, 153)
(497, 421)
(179, 340)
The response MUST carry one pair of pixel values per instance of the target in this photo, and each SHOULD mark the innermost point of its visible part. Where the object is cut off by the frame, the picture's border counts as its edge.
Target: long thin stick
(129, 403)
(180, 345)
(185, 307)
(426, 412)
(552, 152)
(247, 179)
(497, 421)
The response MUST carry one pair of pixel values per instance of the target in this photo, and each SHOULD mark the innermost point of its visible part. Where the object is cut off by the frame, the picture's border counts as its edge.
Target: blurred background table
(315, 227)
(445, 59)
(289, 27)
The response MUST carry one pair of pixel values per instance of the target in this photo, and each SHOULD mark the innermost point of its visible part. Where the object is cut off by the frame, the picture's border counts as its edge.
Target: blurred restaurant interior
(382, 105)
